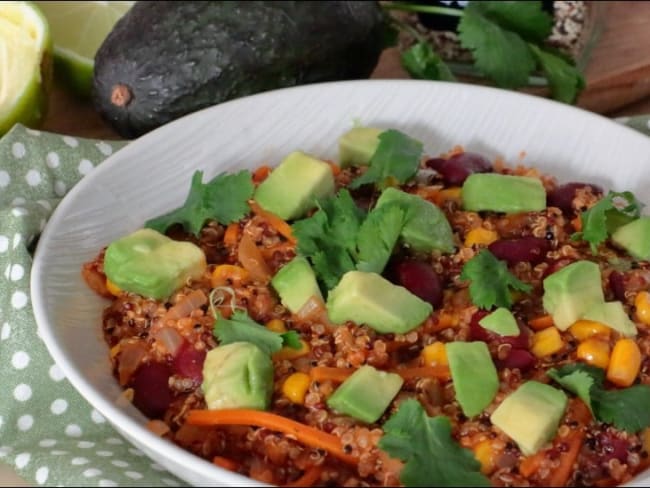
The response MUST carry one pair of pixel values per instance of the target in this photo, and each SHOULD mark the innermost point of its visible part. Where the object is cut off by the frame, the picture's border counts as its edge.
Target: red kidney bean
(562, 197)
(420, 279)
(151, 392)
(479, 333)
(613, 447)
(556, 265)
(189, 362)
(517, 358)
(527, 249)
(457, 168)
(476, 331)
(617, 285)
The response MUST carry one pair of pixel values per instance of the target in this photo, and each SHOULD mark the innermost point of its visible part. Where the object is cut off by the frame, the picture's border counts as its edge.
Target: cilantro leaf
(499, 54)
(526, 18)
(625, 408)
(431, 456)
(421, 62)
(241, 328)
(328, 237)
(397, 156)
(565, 80)
(378, 235)
(612, 211)
(224, 199)
(491, 281)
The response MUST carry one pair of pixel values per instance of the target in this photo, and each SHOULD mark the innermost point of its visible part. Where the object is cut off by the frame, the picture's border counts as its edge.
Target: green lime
(25, 65)
(78, 29)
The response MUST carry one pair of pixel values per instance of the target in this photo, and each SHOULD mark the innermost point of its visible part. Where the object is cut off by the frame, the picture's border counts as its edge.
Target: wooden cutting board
(618, 76)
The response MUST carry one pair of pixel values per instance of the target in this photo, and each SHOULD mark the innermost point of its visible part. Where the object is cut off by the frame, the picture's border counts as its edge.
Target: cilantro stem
(426, 9)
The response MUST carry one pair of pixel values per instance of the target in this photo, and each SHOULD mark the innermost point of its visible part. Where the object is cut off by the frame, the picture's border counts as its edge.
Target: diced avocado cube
(237, 375)
(613, 315)
(635, 237)
(291, 190)
(366, 394)
(426, 227)
(473, 375)
(503, 193)
(501, 322)
(151, 264)
(571, 292)
(531, 415)
(296, 283)
(357, 146)
(368, 298)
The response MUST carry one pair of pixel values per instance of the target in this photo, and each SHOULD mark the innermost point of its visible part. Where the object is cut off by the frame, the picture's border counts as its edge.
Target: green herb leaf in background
(491, 281)
(224, 199)
(421, 62)
(526, 18)
(564, 79)
(241, 328)
(431, 456)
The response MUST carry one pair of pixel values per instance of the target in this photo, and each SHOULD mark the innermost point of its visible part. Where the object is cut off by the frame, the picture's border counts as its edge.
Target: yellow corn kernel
(452, 193)
(113, 288)
(229, 274)
(480, 236)
(585, 329)
(295, 387)
(290, 353)
(435, 354)
(624, 363)
(595, 352)
(642, 304)
(276, 325)
(547, 342)
(485, 454)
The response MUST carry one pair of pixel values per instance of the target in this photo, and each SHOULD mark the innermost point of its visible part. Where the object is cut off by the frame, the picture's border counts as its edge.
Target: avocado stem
(121, 95)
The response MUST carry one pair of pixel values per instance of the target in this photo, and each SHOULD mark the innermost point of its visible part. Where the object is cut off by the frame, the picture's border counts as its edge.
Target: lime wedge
(78, 29)
(25, 65)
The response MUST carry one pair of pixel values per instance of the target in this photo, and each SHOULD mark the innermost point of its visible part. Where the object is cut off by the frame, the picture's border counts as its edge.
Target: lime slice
(25, 65)
(78, 29)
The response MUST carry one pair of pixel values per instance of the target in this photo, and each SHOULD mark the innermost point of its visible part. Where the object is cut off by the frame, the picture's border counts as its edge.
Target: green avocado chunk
(237, 375)
(613, 315)
(502, 193)
(151, 264)
(635, 237)
(426, 227)
(531, 415)
(357, 146)
(296, 283)
(571, 292)
(473, 375)
(501, 321)
(291, 190)
(366, 394)
(368, 298)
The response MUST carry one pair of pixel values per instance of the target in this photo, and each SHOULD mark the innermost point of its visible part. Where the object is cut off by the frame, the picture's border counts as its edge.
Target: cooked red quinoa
(133, 326)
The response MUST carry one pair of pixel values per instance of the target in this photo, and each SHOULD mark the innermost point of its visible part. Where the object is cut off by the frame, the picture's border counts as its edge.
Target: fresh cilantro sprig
(601, 220)
(491, 281)
(430, 454)
(224, 199)
(507, 43)
(241, 328)
(626, 408)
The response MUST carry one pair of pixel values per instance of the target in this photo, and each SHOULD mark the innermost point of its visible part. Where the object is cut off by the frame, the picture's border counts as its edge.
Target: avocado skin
(174, 58)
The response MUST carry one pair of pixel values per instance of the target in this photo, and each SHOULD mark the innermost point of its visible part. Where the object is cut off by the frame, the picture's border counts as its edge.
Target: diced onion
(170, 339)
(131, 355)
(187, 305)
(252, 260)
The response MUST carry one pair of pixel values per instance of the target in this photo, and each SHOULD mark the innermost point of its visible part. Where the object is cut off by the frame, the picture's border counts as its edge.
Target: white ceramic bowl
(152, 175)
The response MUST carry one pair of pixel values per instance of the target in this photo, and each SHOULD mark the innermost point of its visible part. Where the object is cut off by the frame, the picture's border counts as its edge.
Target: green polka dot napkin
(48, 433)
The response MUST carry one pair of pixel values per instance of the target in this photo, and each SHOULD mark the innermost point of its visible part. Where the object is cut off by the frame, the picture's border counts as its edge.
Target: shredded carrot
(261, 174)
(225, 463)
(542, 322)
(561, 474)
(577, 223)
(531, 464)
(231, 235)
(274, 221)
(323, 373)
(307, 435)
(311, 476)
(445, 321)
(336, 169)
(439, 371)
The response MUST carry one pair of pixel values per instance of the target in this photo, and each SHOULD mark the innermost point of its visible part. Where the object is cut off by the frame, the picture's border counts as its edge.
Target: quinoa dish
(390, 318)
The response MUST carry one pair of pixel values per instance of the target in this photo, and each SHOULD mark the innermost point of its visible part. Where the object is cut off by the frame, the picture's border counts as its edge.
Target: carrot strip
(309, 477)
(225, 463)
(274, 221)
(439, 371)
(542, 322)
(531, 464)
(323, 373)
(261, 174)
(231, 235)
(336, 169)
(577, 223)
(307, 435)
(561, 475)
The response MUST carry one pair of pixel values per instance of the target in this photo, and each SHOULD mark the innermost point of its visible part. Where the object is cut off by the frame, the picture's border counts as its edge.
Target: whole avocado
(163, 60)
